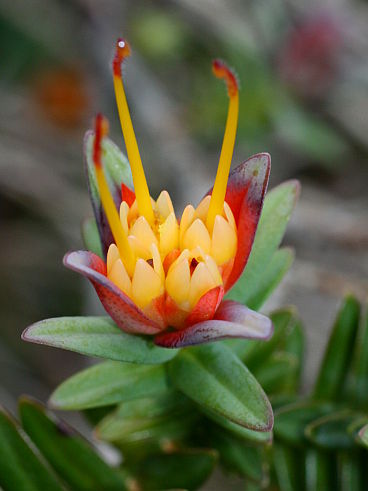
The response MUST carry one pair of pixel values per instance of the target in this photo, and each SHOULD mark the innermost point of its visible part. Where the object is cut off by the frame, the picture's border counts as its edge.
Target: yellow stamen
(139, 179)
(219, 189)
(121, 240)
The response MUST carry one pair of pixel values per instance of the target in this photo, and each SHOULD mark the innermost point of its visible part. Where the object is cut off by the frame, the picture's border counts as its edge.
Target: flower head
(166, 275)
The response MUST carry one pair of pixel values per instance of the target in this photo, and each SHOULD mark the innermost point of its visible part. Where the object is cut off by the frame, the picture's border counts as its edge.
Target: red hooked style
(221, 70)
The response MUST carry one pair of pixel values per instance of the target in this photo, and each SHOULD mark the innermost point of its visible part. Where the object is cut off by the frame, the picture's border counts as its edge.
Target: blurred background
(303, 69)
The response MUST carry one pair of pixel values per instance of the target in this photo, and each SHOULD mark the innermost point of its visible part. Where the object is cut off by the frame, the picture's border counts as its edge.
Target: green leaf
(289, 467)
(91, 237)
(278, 206)
(363, 436)
(337, 357)
(245, 434)
(284, 321)
(186, 469)
(108, 383)
(72, 458)
(291, 420)
(359, 384)
(246, 460)
(331, 432)
(97, 336)
(20, 467)
(162, 417)
(278, 374)
(214, 377)
(352, 470)
(321, 470)
(278, 266)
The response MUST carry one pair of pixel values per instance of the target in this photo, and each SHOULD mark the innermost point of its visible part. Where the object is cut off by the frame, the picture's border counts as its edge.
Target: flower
(167, 277)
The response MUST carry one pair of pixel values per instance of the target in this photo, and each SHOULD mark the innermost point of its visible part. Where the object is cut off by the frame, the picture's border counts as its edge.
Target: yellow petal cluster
(199, 254)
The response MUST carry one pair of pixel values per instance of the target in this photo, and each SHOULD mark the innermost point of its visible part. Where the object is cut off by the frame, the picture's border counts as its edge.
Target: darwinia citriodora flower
(165, 276)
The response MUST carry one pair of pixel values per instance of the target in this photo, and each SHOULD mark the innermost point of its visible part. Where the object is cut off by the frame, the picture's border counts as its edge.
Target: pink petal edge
(232, 320)
(118, 305)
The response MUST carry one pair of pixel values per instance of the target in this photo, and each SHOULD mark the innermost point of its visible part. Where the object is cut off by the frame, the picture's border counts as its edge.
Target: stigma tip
(122, 51)
(221, 70)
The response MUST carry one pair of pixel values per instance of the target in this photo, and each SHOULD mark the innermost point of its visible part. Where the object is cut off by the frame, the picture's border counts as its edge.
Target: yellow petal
(138, 248)
(124, 210)
(146, 284)
(229, 215)
(112, 256)
(157, 262)
(133, 212)
(197, 235)
(169, 235)
(202, 209)
(224, 241)
(213, 269)
(143, 232)
(178, 280)
(201, 282)
(186, 219)
(164, 205)
(119, 276)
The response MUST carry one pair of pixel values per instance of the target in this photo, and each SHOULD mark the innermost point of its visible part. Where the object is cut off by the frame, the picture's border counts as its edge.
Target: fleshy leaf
(213, 376)
(277, 208)
(117, 171)
(291, 420)
(232, 320)
(363, 436)
(20, 467)
(108, 383)
(337, 356)
(331, 432)
(236, 456)
(274, 272)
(96, 336)
(278, 374)
(67, 452)
(184, 469)
(359, 384)
(91, 236)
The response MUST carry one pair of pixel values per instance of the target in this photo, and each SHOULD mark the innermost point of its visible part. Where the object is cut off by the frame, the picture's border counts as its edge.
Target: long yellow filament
(121, 240)
(219, 188)
(139, 179)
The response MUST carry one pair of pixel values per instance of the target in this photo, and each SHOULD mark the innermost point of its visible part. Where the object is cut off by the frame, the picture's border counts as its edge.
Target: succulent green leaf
(337, 357)
(289, 467)
(163, 417)
(291, 420)
(20, 466)
(352, 470)
(359, 391)
(331, 432)
(278, 266)
(72, 458)
(184, 469)
(249, 436)
(236, 456)
(91, 237)
(214, 377)
(278, 206)
(97, 336)
(279, 373)
(108, 383)
(363, 436)
(321, 470)
(284, 321)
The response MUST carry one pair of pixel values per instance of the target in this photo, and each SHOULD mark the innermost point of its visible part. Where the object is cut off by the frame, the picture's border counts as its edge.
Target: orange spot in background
(62, 95)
